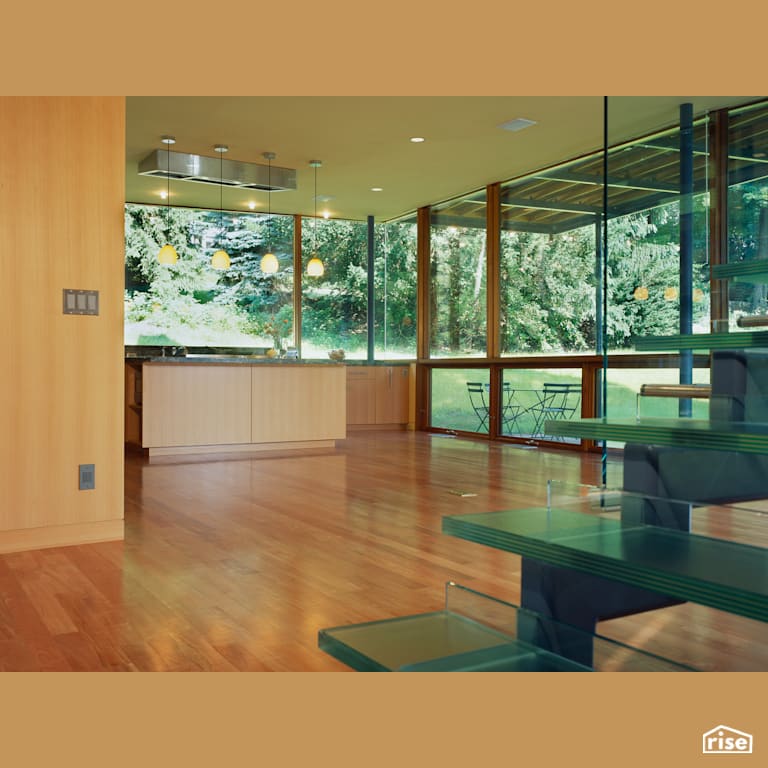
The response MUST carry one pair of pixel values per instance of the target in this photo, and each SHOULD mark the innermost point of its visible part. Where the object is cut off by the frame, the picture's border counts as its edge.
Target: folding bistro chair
(510, 408)
(478, 397)
(556, 401)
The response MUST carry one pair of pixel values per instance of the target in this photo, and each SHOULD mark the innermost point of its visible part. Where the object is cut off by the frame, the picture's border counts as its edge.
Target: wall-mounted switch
(87, 474)
(77, 302)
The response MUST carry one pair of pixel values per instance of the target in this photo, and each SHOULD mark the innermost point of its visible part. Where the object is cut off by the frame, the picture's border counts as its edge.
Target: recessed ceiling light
(326, 215)
(168, 140)
(251, 204)
(377, 189)
(417, 139)
(517, 124)
(163, 195)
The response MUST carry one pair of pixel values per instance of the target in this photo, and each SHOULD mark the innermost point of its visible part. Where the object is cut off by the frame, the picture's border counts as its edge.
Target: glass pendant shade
(641, 293)
(670, 294)
(269, 263)
(315, 267)
(167, 255)
(220, 260)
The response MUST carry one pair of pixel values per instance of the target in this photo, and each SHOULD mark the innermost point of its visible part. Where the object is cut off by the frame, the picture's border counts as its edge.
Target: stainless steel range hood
(214, 170)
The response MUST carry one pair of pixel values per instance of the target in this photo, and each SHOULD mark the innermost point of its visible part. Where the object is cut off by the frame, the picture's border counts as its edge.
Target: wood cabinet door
(392, 394)
(361, 395)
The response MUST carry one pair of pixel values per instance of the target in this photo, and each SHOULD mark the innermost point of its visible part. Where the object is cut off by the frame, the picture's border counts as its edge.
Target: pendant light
(220, 259)
(167, 254)
(315, 267)
(269, 263)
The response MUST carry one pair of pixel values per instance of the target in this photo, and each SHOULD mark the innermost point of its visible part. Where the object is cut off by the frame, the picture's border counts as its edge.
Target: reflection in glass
(395, 290)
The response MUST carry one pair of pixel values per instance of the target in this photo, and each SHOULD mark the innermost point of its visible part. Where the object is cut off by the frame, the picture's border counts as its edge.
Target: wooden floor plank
(236, 564)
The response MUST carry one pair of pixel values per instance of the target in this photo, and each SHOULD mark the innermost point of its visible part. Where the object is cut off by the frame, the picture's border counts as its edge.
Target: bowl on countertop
(336, 354)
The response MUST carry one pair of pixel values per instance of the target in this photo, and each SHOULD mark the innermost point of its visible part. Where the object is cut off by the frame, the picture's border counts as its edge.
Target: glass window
(460, 399)
(458, 267)
(748, 212)
(192, 304)
(532, 397)
(334, 311)
(645, 212)
(547, 266)
(395, 290)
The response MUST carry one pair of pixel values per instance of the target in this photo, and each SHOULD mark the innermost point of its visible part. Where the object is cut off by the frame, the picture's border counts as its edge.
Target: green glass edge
(703, 341)
(691, 433)
(750, 604)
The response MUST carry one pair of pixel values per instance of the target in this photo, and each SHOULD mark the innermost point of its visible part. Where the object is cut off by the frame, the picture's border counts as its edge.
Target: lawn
(451, 407)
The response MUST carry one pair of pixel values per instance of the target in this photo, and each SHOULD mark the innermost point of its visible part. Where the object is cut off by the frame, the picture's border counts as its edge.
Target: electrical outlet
(87, 474)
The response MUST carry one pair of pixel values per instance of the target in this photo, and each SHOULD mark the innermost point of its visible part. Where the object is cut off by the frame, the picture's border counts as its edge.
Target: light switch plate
(87, 477)
(77, 302)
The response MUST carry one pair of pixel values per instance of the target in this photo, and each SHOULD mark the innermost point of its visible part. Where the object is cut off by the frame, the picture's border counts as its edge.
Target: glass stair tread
(742, 271)
(721, 574)
(703, 341)
(684, 433)
(442, 641)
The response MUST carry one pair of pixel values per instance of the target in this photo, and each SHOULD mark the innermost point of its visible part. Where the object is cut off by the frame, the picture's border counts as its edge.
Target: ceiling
(363, 142)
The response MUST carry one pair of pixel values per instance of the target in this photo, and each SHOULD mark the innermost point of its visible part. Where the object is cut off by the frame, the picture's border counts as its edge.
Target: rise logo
(722, 740)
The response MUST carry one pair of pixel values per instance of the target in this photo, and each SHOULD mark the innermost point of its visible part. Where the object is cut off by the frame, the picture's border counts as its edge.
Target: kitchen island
(232, 404)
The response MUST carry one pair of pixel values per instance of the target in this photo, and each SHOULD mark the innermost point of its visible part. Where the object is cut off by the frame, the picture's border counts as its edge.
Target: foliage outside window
(190, 303)
(458, 270)
(334, 312)
(547, 292)
(395, 290)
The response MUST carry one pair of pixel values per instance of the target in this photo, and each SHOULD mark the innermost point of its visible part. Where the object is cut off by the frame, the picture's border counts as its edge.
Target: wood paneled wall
(62, 190)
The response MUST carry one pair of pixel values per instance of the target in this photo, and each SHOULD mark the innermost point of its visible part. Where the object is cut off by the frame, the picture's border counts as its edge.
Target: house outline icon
(724, 736)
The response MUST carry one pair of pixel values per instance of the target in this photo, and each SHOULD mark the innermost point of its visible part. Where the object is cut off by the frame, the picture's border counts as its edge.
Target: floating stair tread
(721, 574)
(742, 271)
(685, 433)
(703, 341)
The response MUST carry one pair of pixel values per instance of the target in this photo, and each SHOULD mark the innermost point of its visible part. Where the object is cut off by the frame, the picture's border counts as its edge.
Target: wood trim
(423, 314)
(718, 217)
(412, 392)
(61, 535)
(492, 278)
(244, 448)
(637, 360)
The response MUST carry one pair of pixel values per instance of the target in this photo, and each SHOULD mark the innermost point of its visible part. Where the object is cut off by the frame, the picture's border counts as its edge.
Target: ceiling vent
(215, 170)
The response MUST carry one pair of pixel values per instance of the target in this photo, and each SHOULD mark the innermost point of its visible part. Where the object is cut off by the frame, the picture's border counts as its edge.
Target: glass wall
(395, 290)
(748, 214)
(190, 303)
(547, 264)
(334, 313)
(458, 270)
(658, 235)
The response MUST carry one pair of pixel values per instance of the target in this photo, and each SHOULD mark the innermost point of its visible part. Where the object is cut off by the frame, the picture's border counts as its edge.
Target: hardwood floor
(236, 564)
